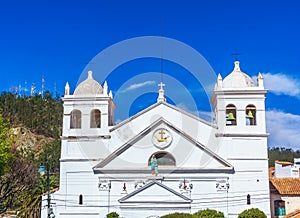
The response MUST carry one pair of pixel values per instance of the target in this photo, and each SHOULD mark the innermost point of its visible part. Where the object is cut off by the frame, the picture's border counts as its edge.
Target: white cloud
(138, 85)
(284, 129)
(281, 84)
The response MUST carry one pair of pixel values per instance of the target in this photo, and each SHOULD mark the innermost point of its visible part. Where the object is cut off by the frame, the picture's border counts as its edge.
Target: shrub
(179, 215)
(208, 213)
(112, 215)
(252, 213)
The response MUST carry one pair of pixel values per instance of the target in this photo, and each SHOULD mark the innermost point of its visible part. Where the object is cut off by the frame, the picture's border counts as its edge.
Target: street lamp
(42, 170)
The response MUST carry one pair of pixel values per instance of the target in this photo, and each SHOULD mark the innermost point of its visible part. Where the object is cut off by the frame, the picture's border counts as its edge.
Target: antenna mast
(43, 86)
(32, 92)
(236, 55)
(162, 51)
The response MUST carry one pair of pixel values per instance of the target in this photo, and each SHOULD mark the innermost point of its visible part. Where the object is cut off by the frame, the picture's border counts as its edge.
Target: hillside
(30, 129)
(282, 154)
(26, 140)
(41, 115)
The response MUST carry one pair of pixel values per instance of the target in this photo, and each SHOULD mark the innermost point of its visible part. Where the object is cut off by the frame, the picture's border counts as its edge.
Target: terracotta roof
(295, 214)
(283, 162)
(271, 172)
(286, 186)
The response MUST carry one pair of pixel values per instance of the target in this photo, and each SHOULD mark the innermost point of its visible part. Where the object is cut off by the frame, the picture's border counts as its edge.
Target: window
(230, 115)
(250, 115)
(95, 121)
(163, 159)
(80, 199)
(279, 206)
(248, 199)
(75, 122)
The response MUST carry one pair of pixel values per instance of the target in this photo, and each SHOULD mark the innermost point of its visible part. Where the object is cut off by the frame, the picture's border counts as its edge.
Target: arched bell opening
(95, 120)
(250, 115)
(231, 115)
(75, 121)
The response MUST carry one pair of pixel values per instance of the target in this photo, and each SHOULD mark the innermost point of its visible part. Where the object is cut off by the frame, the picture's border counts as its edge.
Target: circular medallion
(161, 138)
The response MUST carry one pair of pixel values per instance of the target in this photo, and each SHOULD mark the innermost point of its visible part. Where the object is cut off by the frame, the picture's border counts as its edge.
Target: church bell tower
(88, 114)
(239, 104)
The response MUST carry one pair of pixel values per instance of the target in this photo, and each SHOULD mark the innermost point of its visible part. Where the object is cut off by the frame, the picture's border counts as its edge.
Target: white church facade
(195, 164)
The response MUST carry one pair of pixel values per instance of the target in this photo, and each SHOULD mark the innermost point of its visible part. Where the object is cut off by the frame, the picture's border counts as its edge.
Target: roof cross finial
(161, 93)
(161, 85)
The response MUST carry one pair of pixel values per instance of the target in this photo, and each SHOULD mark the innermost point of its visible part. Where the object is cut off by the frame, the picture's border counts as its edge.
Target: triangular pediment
(134, 150)
(163, 194)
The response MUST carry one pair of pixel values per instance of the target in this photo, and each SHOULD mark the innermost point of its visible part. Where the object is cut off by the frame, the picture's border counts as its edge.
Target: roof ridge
(292, 214)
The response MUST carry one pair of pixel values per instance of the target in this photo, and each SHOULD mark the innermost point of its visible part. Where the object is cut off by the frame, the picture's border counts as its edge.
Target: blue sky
(56, 39)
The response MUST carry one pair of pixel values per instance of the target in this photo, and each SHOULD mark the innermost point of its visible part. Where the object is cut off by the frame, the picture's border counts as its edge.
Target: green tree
(283, 154)
(51, 154)
(112, 215)
(41, 115)
(6, 141)
(252, 213)
(20, 188)
(179, 215)
(17, 182)
(31, 206)
(208, 213)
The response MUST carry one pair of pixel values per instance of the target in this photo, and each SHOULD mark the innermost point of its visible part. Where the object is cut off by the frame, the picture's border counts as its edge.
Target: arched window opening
(95, 121)
(75, 119)
(250, 115)
(80, 199)
(279, 206)
(230, 115)
(163, 159)
(248, 199)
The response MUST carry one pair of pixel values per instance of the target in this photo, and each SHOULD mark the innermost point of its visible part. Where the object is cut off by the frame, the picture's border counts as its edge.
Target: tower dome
(89, 86)
(237, 78)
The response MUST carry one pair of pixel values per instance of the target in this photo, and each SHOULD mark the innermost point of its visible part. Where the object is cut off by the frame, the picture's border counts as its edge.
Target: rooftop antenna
(20, 90)
(162, 51)
(161, 95)
(90, 64)
(32, 91)
(25, 88)
(43, 86)
(55, 88)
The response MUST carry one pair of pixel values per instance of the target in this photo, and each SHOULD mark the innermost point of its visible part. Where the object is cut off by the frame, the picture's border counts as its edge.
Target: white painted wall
(282, 170)
(243, 147)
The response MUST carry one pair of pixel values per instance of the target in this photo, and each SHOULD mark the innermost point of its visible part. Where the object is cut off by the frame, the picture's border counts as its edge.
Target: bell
(230, 117)
(250, 115)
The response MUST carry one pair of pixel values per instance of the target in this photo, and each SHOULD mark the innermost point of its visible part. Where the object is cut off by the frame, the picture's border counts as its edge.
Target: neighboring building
(221, 165)
(285, 189)
(296, 168)
(284, 169)
(285, 196)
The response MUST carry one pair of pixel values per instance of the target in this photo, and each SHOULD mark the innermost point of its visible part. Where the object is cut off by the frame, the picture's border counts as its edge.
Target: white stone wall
(212, 149)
